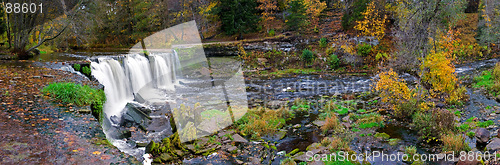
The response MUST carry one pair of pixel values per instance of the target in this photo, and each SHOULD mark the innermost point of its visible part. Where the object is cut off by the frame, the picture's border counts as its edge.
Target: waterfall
(138, 70)
(122, 79)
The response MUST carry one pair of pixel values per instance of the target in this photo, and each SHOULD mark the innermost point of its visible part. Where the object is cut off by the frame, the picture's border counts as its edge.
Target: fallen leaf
(96, 153)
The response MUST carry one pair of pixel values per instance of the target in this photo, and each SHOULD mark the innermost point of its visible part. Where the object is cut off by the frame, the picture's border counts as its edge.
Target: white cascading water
(162, 71)
(122, 80)
(109, 73)
(137, 69)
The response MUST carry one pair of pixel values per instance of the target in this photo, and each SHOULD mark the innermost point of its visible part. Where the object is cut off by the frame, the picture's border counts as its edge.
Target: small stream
(279, 91)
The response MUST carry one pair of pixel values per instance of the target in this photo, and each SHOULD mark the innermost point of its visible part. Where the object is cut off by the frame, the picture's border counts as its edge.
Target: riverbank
(37, 131)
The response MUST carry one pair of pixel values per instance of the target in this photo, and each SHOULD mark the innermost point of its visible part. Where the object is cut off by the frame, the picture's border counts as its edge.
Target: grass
(76, 94)
(470, 134)
(71, 93)
(485, 124)
(456, 143)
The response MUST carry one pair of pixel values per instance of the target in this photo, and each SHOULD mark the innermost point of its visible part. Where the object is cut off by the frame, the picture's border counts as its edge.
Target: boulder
(238, 138)
(468, 162)
(498, 133)
(482, 135)
(494, 145)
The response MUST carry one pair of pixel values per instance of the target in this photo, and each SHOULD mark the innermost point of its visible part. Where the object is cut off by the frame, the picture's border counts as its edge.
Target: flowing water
(126, 76)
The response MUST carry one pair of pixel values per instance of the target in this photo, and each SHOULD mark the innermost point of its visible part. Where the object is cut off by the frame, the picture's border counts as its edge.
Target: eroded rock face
(482, 135)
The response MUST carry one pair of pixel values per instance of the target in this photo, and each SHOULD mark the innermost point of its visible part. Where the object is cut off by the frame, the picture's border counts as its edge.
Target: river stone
(165, 157)
(319, 123)
(482, 135)
(238, 138)
(494, 145)
(345, 119)
(300, 157)
(232, 149)
(84, 111)
(275, 104)
(49, 76)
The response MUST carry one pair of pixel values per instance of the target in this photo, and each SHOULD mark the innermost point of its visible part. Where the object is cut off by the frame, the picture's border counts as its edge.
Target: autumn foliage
(373, 23)
(392, 89)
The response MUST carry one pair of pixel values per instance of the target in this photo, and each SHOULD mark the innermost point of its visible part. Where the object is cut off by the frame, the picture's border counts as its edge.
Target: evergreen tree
(297, 16)
(238, 16)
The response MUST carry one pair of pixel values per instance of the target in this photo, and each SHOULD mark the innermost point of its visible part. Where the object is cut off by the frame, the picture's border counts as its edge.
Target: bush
(364, 49)
(271, 32)
(391, 89)
(331, 122)
(334, 61)
(455, 143)
(86, 71)
(77, 67)
(433, 123)
(307, 55)
(322, 42)
(261, 122)
(406, 110)
(441, 74)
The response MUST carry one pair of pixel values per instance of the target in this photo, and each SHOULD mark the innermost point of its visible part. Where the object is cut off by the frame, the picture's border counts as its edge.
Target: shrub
(307, 55)
(406, 110)
(433, 123)
(271, 32)
(440, 74)
(331, 122)
(364, 49)
(455, 143)
(86, 71)
(334, 61)
(391, 89)
(259, 122)
(77, 67)
(322, 42)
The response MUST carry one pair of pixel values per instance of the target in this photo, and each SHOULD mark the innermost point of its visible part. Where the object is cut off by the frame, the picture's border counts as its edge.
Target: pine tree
(238, 16)
(297, 16)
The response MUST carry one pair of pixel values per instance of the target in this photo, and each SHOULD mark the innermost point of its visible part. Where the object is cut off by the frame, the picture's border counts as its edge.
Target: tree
(489, 26)
(3, 25)
(46, 25)
(267, 7)
(314, 8)
(297, 16)
(238, 16)
(373, 23)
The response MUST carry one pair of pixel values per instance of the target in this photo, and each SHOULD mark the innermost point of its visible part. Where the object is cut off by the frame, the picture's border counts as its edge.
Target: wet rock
(345, 119)
(36, 77)
(346, 125)
(84, 111)
(300, 157)
(482, 135)
(232, 149)
(238, 138)
(296, 126)
(319, 123)
(208, 126)
(165, 157)
(494, 145)
(498, 133)
(15, 78)
(49, 76)
(275, 104)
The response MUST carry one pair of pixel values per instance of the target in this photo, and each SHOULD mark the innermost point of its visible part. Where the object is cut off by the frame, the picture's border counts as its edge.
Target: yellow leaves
(96, 153)
(314, 7)
(391, 88)
(440, 72)
(373, 23)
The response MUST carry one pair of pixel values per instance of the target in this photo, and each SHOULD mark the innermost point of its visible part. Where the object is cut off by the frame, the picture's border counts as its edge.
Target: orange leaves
(96, 153)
